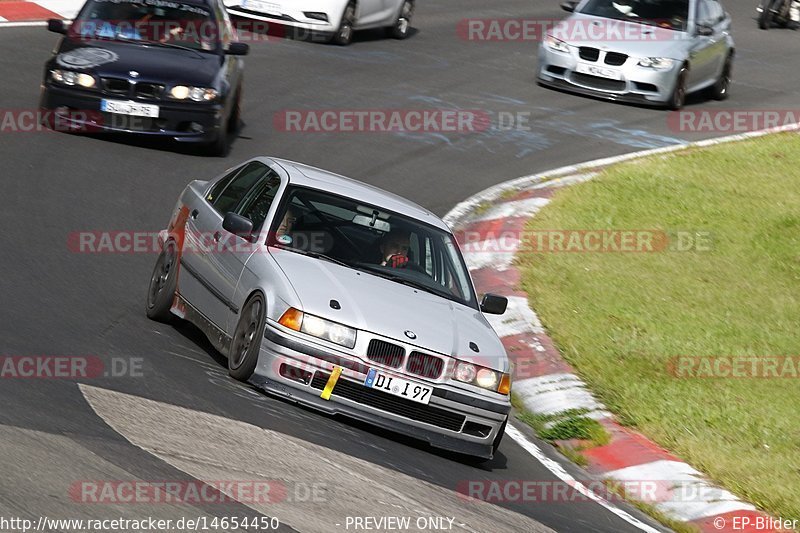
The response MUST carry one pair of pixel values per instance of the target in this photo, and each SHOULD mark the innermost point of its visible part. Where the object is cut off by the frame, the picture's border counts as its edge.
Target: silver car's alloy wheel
(721, 88)
(163, 282)
(246, 341)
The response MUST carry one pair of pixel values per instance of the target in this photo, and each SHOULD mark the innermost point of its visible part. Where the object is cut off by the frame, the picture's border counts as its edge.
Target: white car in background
(336, 19)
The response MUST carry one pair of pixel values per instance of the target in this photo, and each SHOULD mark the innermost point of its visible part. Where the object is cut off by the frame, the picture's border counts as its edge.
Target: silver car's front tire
(402, 25)
(246, 341)
(163, 282)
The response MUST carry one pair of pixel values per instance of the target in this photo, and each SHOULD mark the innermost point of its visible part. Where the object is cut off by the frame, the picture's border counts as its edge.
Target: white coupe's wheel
(402, 25)
(344, 35)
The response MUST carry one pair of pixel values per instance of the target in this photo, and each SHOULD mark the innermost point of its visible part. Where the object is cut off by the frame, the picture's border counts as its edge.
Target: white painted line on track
(558, 470)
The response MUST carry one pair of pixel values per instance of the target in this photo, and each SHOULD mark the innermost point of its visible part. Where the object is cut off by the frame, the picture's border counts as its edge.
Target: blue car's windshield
(669, 14)
(374, 240)
(153, 21)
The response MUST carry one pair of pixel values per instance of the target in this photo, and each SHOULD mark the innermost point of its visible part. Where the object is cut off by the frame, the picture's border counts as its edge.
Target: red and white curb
(490, 224)
(35, 13)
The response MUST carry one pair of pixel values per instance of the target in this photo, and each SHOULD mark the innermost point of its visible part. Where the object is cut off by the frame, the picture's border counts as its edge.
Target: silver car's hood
(637, 40)
(388, 308)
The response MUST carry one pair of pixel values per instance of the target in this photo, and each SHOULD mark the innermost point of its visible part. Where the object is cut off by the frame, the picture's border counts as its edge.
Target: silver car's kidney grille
(424, 365)
(385, 353)
(615, 58)
(588, 53)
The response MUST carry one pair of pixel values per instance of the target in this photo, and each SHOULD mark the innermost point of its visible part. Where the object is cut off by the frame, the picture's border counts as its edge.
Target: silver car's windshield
(374, 240)
(669, 14)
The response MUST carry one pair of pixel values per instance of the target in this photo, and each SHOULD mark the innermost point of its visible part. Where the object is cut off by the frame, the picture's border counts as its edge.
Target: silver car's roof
(308, 176)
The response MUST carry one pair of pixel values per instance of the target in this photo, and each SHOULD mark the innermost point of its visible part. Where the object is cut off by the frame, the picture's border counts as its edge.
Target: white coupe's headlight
(485, 378)
(198, 94)
(318, 327)
(556, 44)
(658, 63)
(68, 77)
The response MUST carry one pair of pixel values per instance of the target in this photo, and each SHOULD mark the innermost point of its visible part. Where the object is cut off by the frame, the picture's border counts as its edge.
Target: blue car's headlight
(70, 78)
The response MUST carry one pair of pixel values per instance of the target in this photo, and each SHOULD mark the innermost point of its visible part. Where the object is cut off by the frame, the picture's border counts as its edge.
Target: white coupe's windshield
(371, 239)
(669, 14)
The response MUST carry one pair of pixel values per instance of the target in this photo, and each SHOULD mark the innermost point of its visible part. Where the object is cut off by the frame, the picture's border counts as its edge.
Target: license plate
(135, 109)
(601, 72)
(398, 386)
(264, 7)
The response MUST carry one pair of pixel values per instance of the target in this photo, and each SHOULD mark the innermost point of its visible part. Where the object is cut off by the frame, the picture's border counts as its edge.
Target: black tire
(721, 89)
(678, 96)
(235, 120)
(163, 283)
(344, 35)
(221, 147)
(246, 341)
(499, 437)
(765, 18)
(402, 25)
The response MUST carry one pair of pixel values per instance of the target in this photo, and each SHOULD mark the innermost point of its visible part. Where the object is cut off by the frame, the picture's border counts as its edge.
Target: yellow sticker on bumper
(326, 392)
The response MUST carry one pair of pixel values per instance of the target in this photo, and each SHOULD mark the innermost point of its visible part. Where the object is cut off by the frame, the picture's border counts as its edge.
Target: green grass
(568, 425)
(620, 317)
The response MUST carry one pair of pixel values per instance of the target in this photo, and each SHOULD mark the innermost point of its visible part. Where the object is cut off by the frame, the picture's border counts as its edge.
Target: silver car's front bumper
(453, 419)
(637, 84)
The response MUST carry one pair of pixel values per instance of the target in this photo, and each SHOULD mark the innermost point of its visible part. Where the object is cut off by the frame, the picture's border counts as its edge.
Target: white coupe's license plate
(398, 386)
(264, 7)
(134, 109)
(602, 72)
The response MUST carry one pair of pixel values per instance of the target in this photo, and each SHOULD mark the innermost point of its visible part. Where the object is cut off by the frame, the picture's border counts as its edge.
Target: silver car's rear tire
(163, 283)
(246, 342)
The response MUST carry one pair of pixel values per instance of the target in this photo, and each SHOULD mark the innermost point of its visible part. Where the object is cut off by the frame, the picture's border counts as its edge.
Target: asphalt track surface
(55, 433)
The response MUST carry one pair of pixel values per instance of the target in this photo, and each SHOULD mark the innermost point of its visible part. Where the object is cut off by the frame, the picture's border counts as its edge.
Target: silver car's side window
(257, 202)
(235, 190)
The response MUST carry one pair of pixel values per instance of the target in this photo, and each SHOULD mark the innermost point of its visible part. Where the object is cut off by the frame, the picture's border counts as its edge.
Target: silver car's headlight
(198, 94)
(556, 44)
(485, 378)
(318, 327)
(68, 77)
(658, 63)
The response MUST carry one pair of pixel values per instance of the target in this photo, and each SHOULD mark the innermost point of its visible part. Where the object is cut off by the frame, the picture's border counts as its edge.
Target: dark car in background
(148, 67)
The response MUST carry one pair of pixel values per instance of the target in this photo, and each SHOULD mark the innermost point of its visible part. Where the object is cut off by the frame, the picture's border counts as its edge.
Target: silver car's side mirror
(238, 225)
(704, 31)
(493, 304)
